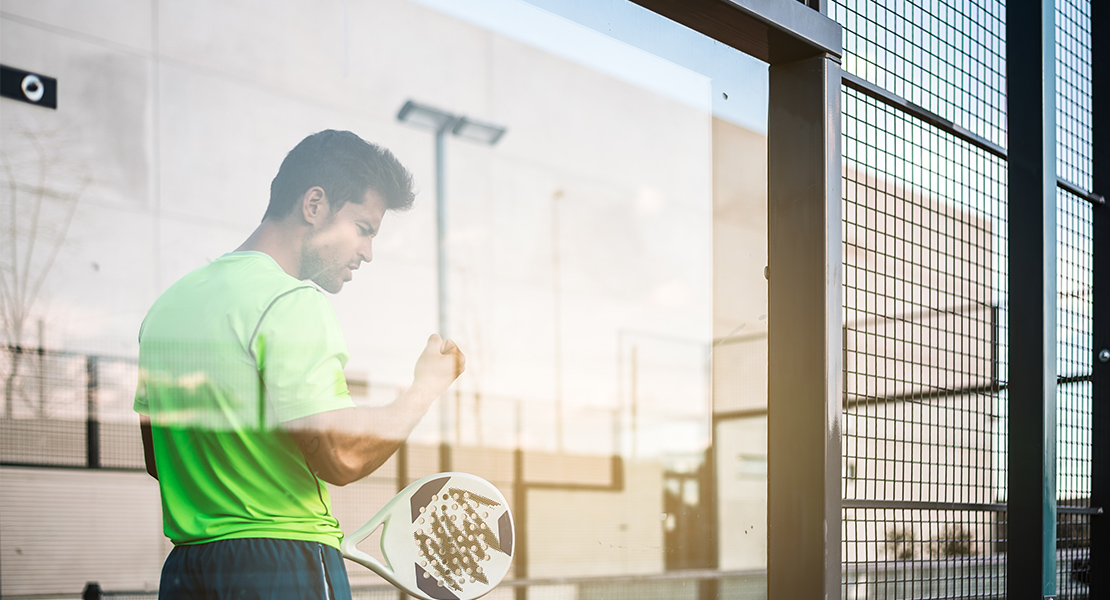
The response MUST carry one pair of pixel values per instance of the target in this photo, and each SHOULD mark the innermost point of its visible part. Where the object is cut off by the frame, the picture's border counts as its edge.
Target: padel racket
(448, 536)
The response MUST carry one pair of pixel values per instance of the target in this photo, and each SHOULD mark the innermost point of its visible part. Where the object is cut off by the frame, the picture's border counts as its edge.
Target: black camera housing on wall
(25, 86)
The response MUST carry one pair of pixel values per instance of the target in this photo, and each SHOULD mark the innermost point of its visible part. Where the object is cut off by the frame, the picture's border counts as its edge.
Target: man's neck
(277, 240)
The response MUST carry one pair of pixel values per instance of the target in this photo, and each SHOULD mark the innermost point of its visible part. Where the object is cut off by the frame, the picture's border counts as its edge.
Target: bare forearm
(346, 445)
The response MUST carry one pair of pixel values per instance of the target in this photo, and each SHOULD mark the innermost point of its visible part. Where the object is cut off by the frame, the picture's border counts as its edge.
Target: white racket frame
(398, 542)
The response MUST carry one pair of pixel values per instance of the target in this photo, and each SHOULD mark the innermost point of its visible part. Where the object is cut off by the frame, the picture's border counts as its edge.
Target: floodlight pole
(441, 230)
(441, 279)
(444, 123)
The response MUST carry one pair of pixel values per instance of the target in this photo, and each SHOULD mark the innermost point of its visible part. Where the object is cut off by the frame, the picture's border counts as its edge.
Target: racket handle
(363, 558)
(348, 547)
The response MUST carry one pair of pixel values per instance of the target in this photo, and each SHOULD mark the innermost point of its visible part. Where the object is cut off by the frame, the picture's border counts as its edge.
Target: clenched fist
(439, 365)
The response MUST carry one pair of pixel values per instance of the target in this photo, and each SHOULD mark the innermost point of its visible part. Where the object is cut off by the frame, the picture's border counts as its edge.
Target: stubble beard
(314, 268)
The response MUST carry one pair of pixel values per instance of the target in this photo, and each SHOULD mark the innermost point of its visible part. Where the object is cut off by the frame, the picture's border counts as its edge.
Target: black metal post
(402, 466)
(1099, 570)
(42, 372)
(402, 483)
(520, 519)
(92, 591)
(709, 589)
(804, 330)
(92, 414)
(1031, 102)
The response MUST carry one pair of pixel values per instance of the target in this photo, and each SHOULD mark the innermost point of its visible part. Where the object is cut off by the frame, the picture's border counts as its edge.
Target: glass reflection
(603, 261)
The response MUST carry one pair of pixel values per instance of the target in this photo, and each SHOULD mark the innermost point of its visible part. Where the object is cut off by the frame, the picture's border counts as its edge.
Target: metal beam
(1031, 101)
(92, 412)
(804, 321)
(1075, 190)
(891, 99)
(774, 31)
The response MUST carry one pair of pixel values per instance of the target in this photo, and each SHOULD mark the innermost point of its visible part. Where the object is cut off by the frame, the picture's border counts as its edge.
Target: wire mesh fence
(1073, 91)
(948, 57)
(1074, 265)
(1073, 401)
(74, 411)
(924, 365)
(67, 409)
(924, 553)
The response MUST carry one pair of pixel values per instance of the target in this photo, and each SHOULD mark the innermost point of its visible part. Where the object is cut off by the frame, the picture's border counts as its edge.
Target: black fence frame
(804, 252)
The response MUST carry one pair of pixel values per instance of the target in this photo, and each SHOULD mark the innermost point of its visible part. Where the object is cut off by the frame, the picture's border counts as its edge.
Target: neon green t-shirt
(226, 355)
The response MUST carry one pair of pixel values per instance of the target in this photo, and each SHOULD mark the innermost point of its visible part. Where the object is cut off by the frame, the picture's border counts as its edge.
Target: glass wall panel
(604, 267)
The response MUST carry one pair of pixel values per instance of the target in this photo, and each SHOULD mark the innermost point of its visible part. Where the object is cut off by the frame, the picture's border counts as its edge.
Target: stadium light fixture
(443, 122)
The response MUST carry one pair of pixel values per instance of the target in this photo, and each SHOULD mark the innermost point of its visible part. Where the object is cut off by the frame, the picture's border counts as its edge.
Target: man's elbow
(337, 479)
(342, 459)
(348, 467)
(340, 473)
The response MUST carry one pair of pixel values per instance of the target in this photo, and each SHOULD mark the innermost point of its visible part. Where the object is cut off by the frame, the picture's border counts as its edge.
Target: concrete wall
(64, 527)
(174, 116)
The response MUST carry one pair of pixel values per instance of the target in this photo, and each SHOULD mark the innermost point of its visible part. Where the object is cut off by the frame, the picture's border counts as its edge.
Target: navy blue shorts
(255, 569)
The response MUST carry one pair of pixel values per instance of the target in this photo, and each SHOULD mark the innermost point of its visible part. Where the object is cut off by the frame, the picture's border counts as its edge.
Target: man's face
(341, 241)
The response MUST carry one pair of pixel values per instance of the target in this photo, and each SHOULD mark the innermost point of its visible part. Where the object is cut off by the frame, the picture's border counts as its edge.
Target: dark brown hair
(346, 167)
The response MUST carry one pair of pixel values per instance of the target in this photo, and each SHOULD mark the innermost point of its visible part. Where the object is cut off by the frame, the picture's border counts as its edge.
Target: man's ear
(314, 205)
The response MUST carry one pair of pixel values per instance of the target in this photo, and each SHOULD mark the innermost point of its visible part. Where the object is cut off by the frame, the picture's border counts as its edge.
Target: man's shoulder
(245, 277)
(239, 287)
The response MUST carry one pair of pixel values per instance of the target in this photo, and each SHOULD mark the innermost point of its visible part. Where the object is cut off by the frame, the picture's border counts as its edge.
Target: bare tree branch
(13, 322)
(33, 232)
(35, 248)
(71, 209)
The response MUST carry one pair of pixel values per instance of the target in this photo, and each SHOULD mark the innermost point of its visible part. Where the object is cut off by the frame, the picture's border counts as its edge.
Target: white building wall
(173, 118)
(64, 527)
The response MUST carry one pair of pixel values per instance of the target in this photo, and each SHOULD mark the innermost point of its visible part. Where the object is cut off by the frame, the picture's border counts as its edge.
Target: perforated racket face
(458, 539)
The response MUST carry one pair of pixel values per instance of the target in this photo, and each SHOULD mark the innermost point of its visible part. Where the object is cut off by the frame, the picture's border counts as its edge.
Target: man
(244, 406)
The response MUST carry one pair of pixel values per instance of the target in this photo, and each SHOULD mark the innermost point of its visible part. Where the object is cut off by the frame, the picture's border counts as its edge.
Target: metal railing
(967, 577)
(65, 409)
